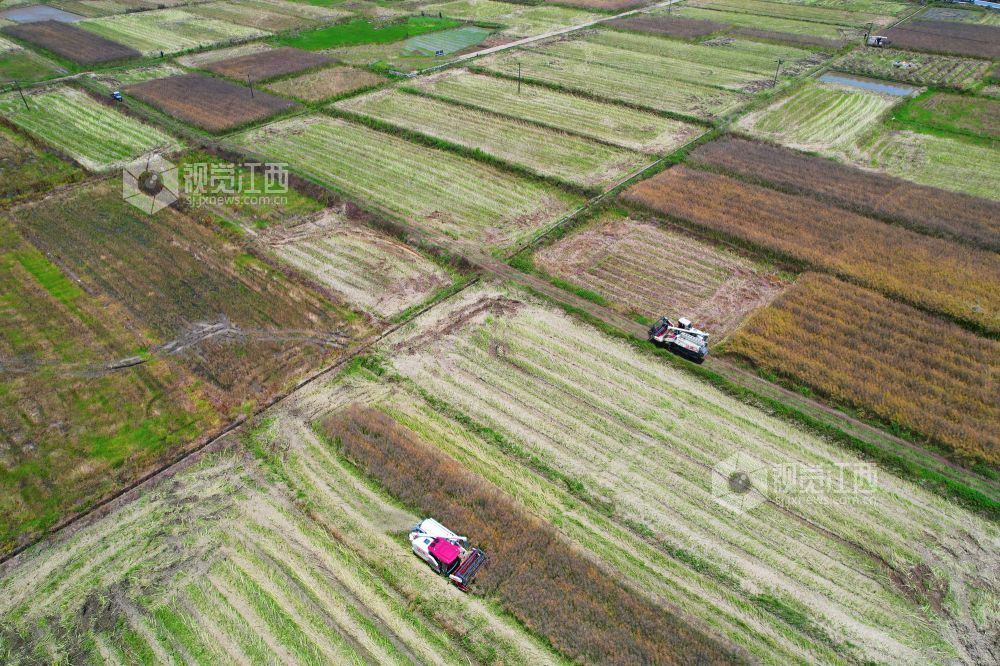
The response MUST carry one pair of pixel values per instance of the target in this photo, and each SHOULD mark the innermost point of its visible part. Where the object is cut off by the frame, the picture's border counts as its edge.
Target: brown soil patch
(268, 64)
(70, 42)
(667, 25)
(967, 39)
(209, 103)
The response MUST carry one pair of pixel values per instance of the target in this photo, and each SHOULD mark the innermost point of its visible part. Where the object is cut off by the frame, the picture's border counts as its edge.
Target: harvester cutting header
(446, 552)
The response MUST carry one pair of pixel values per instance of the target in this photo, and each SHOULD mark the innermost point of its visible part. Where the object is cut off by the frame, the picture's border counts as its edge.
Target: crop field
(268, 16)
(363, 31)
(243, 328)
(668, 26)
(605, 5)
(458, 197)
(881, 7)
(949, 37)
(819, 117)
(326, 84)
(23, 65)
(219, 564)
(546, 409)
(640, 87)
(782, 29)
(933, 273)
(517, 20)
(97, 136)
(201, 59)
(118, 79)
(268, 64)
(71, 42)
(608, 123)
(70, 430)
(804, 12)
(918, 68)
(623, 261)
(366, 268)
(168, 30)
(938, 212)
(949, 162)
(207, 102)
(954, 113)
(923, 374)
(27, 168)
(544, 151)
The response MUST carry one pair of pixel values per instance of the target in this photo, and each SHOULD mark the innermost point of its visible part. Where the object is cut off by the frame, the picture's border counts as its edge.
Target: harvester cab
(682, 339)
(446, 552)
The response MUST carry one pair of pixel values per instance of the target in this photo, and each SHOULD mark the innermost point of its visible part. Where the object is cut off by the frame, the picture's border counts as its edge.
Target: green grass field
(97, 136)
(544, 151)
(24, 66)
(428, 187)
(361, 31)
(168, 30)
(610, 123)
(959, 114)
(26, 168)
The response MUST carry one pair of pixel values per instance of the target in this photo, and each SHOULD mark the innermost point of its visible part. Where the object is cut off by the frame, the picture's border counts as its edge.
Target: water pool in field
(874, 85)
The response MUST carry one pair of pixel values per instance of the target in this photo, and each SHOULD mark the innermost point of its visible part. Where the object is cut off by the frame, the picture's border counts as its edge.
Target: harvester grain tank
(682, 339)
(446, 552)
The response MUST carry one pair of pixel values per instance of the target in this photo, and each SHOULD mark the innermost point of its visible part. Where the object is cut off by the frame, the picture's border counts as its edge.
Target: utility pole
(776, 70)
(250, 83)
(518, 78)
(18, 85)
(868, 32)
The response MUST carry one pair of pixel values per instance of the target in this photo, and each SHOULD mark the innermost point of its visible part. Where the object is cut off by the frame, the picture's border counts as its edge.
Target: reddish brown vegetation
(930, 272)
(940, 212)
(952, 37)
(545, 582)
(669, 26)
(268, 64)
(209, 103)
(71, 42)
(609, 5)
(907, 367)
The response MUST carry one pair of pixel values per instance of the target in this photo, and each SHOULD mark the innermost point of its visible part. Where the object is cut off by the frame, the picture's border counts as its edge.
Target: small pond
(875, 85)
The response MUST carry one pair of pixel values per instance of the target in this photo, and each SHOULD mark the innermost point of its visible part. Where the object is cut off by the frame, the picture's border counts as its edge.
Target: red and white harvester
(682, 339)
(446, 552)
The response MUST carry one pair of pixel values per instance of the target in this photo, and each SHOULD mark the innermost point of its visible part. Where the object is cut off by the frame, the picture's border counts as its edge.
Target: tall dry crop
(540, 578)
(933, 273)
(907, 367)
(960, 216)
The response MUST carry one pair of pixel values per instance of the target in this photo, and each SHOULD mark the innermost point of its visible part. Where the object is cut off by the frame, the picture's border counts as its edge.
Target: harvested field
(919, 373)
(586, 615)
(71, 42)
(918, 68)
(368, 269)
(244, 329)
(616, 450)
(119, 79)
(953, 113)
(268, 16)
(961, 217)
(933, 273)
(168, 30)
(209, 103)
(326, 83)
(783, 29)
(268, 64)
(949, 37)
(605, 5)
(820, 117)
(27, 168)
(457, 197)
(219, 564)
(97, 136)
(641, 268)
(204, 58)
(518, 20)
(644, 88)
(949, 162)
(833, 13)
(668, 26)
(544, 151)
(609, 123)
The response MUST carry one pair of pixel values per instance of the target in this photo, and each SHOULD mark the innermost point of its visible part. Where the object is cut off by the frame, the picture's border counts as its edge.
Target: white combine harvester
(446, 552)
(682, 339)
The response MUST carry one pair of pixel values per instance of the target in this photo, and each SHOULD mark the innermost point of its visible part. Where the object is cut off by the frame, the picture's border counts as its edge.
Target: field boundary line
(189, 456)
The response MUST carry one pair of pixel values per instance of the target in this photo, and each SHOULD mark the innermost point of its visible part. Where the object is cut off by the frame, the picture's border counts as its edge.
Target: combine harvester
(446, 552)
(682, 339)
